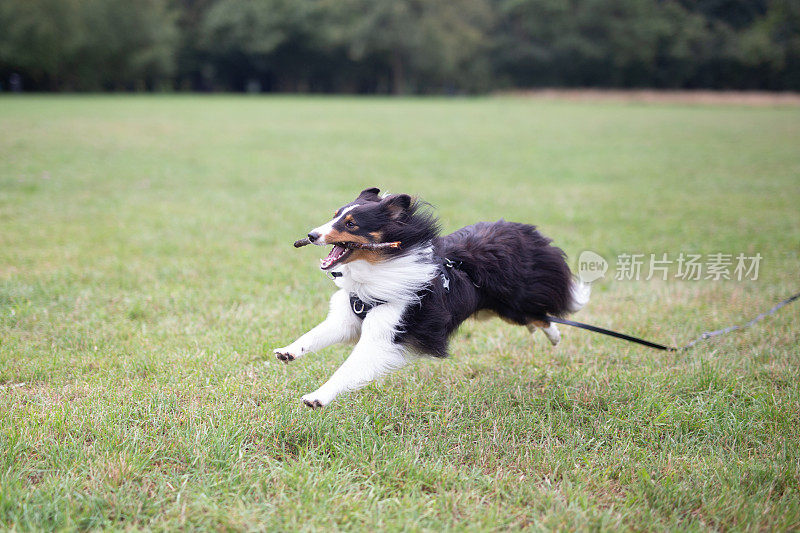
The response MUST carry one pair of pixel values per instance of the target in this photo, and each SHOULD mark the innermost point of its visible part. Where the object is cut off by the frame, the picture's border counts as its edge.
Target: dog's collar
(448, 263)
(359, 307)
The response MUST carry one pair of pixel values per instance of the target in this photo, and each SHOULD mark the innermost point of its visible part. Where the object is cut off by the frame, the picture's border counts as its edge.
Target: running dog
(396, 299)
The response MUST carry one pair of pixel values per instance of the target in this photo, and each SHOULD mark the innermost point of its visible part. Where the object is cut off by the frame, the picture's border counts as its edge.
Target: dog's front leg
(341, 325)
(375, 355)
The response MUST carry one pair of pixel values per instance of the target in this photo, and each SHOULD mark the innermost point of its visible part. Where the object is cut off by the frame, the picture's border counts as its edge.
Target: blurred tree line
(411, 46)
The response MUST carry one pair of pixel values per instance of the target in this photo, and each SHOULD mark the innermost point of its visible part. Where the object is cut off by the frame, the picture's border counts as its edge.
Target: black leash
(604, 331)
(704, 336)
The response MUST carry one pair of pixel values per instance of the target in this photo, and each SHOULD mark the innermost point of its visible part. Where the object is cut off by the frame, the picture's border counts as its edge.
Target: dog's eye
(350, 224)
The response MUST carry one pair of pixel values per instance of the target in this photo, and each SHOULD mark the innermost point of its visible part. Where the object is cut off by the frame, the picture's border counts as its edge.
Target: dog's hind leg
(375, 355)
(550, 329)
(341, 325)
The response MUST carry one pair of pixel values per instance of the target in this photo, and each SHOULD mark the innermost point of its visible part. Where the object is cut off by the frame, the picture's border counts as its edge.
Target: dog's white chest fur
(397, 280)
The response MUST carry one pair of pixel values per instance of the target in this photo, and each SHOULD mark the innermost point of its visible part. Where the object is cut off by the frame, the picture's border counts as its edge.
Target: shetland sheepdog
(395, 302)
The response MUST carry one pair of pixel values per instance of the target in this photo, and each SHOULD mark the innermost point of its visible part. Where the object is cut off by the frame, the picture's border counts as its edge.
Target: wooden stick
(355, 245)
(370, 245)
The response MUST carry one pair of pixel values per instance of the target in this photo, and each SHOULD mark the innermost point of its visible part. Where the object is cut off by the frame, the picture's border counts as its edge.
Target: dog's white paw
(289, 353)
(315, 400)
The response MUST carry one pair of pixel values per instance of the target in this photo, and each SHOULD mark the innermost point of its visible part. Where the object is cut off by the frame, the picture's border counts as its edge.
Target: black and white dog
(411, 299)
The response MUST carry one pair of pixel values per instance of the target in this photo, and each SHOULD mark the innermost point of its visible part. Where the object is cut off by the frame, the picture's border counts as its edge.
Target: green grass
(146, 273)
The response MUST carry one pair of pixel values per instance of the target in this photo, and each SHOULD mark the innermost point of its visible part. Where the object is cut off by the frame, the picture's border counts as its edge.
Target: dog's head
(369, 218)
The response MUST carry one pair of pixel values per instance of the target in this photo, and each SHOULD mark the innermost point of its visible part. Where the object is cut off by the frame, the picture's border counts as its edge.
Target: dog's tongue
(335, 255)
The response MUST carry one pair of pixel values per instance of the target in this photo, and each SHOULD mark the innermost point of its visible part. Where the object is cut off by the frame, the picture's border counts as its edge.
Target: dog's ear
(372, 191)
(396, 205)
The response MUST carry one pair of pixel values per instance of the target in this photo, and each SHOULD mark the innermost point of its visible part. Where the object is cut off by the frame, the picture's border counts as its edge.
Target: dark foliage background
(400, 46)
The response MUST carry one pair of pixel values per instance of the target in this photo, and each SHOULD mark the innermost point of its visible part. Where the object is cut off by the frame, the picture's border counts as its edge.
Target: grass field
(146, 273)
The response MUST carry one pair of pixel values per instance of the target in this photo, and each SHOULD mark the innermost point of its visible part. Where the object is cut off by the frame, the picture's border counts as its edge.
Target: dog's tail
(579, 295)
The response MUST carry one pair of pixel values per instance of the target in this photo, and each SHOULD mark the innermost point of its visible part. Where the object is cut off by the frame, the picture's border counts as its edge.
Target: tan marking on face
(377, 236)
(343, 236)
(370, 256)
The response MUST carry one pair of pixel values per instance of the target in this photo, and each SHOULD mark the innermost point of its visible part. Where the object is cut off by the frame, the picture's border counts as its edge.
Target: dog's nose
(313, 236)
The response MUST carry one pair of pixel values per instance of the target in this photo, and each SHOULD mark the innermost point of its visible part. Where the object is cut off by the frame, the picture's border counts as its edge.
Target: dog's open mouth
(337, 254)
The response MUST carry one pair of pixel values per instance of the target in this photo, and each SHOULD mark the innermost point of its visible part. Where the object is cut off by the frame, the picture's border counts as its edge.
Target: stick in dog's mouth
(355, 245)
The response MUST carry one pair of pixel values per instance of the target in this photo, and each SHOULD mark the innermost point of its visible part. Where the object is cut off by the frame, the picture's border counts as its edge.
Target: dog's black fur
(506, 268)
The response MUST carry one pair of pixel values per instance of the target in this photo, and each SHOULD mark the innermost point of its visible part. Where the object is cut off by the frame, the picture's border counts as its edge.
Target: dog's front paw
(314, 400)
(314, 404)
(286, 354)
